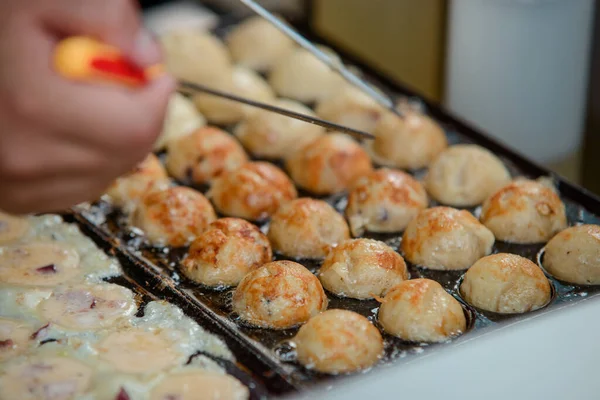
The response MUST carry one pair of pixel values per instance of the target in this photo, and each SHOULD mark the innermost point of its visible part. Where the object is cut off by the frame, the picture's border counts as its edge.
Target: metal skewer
(189, 86)
(331, 63)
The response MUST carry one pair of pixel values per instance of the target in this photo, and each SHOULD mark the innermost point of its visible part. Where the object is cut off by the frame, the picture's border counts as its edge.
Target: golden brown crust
(133, 186)
(506, 283)
(420, 310)
(385, 200)
(228, 250)
(362, 269)
(465, 175)
(573, 255)
(306, 228)
(279, 295)
(411, 142)
(338, 341)
(446, 238)
(174, 216)
(204, 155)
(329, 164)
(253, 191)
(524, 211)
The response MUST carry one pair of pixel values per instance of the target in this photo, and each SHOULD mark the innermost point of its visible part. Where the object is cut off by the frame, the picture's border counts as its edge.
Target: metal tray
(149, 285)
(265, 352)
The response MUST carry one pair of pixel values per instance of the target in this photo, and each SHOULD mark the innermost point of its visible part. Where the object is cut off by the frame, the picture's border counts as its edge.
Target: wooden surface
(403, 38)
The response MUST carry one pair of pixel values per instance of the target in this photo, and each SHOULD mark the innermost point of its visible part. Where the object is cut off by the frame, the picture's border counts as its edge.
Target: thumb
(115, 22)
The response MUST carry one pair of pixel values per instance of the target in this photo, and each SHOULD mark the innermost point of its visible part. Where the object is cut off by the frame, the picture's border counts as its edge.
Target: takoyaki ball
(129, 189)
(253, 191)
(329, 164)
(199, 385)
(420, 310)
(410, 142)
(203, 155)
(306, 228)
(48, 378)
(228, 250)
(385, 200)
(137, 351)
(242, 82)
(351, 107)
(338, 341)
(505, 283)
(524, 211)
(174, 216)
(465, 175)
(196, 56)
(12, 227)
(250, 85)
(443, 238)
(38, 264)
(15, 336)
(362, 269)
(257, 44)
(88, 307)
(279, 295)
(269, 135)
(302, 76)
(573, 255)
(182, 118)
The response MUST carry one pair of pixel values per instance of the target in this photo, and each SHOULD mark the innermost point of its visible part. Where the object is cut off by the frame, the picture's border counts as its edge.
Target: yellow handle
(86, 59)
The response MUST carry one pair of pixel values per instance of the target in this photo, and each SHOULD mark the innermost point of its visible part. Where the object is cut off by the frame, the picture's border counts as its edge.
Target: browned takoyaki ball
(329, 164)
(505, 283)
(306, 228)
(445, 238)
(384, 200)
(130, 188)
(362, 269)
(279, 295)
(225, 252)
(174, 216)
(573, 255)
(420, 310)
(253, 191)
(524, 211)
(204, 155)
(338, 341)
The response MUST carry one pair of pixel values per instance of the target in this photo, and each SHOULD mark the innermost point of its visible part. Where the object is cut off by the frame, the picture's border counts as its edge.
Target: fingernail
(146, 50)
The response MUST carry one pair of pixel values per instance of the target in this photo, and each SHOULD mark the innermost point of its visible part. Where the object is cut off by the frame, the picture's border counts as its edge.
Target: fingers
(63, 142)
(116, 22)
(114, 119)
(50, 195)
(117, 119)
(29, 157)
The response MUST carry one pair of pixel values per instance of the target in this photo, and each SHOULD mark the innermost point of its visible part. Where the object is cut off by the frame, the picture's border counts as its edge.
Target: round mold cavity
(498, 317)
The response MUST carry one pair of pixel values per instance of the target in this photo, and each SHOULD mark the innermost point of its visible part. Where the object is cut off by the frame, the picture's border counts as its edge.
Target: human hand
(63, 142)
